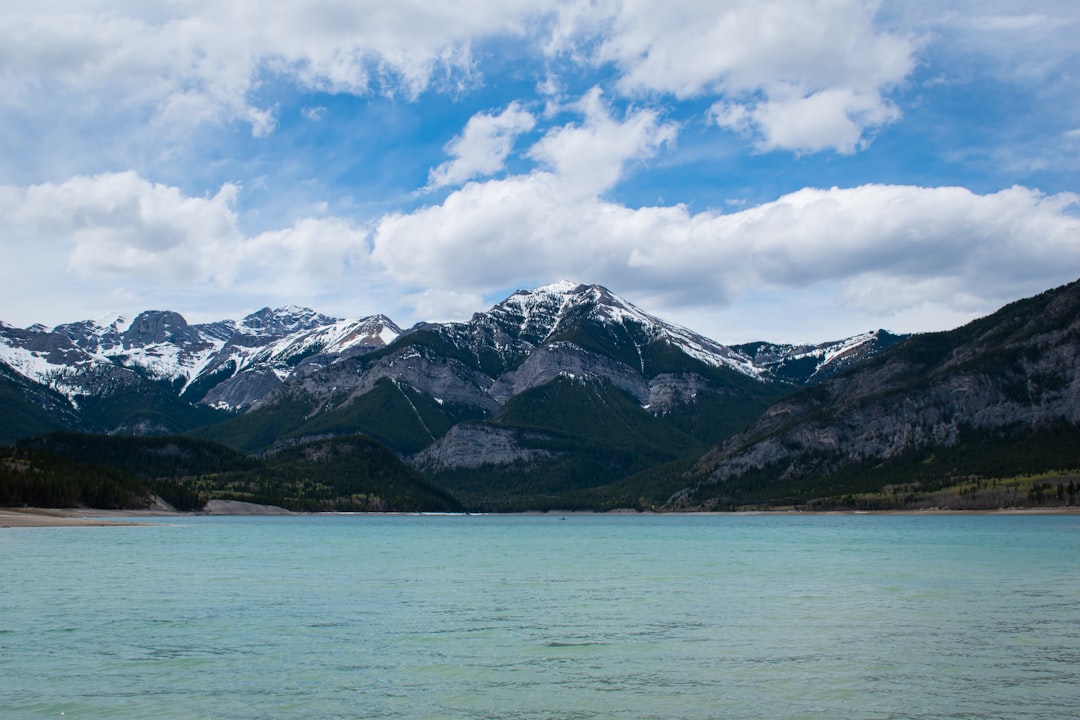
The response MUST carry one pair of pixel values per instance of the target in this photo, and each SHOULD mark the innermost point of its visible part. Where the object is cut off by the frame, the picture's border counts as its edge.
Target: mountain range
(562, 396)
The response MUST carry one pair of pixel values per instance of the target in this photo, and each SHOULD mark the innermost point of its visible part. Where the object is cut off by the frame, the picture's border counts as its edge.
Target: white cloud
(203, 61)
(121, 82)
(891, 250)
(508, 224)
(834, 119)
(902, 257)
(482, 147)
(695, 47)
(592, 156)
(443, 305)
(118, 224)
(1009, 40)
(774, 60)
(194, 62)
(119, 235)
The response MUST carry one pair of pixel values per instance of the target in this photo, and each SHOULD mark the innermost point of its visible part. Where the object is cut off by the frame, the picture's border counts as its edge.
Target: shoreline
(74, 517)
(89, 517)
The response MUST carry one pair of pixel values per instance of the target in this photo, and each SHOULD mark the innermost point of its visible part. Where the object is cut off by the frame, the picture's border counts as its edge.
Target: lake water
(760, 616)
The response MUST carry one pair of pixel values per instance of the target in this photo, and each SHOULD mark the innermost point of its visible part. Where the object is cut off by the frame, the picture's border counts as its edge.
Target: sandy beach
(74, 517)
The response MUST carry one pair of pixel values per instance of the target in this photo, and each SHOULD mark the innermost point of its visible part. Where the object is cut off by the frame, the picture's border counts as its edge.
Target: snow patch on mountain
(552, 304)
(161, 346)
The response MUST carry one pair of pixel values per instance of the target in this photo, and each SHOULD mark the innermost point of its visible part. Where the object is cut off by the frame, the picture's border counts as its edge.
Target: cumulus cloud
(204, 61)
(890, 248)
(592, 156)
(510, 221)
(883, 251)
(118, 234)
(482, 147)
(810, 77)
(119, 223)
(772, 61)
(834, 119)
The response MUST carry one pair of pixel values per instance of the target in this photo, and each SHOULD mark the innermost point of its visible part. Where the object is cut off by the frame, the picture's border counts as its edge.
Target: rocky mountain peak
(809, 363)
(283, 321)
(155, 327)
(91, 336)
(535, 315)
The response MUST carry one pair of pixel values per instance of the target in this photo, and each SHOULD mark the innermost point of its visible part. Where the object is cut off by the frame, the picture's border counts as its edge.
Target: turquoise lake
(493, 617)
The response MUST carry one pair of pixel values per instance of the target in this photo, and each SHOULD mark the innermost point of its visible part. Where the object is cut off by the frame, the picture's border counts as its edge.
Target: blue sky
(790, 171)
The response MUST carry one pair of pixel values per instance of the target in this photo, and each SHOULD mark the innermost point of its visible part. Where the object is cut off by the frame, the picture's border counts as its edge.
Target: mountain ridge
(568, 396)
(1005, 378)
(232, 365)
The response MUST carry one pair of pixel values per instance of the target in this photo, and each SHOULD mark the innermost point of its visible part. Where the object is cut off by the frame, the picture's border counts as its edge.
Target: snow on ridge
(34, 366)
(116, 322)
(334, 338)
(829, 351)
(556, 298)
(693, 344)
(166, 361)
(87, 344)
(282, 321)
(559, 287)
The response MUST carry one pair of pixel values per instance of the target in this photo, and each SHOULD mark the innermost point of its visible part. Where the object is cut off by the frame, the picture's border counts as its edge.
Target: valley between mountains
(562, 397)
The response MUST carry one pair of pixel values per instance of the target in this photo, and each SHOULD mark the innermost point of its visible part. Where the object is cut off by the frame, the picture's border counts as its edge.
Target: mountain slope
(158, 374)
(808, 364)
(554, 392)
(530, 340)
(29, 408)
(999, 387)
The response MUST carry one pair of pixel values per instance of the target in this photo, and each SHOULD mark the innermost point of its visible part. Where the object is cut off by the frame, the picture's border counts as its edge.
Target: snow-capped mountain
(511, 387)
(92, 358)
(541, 314)
(156, 372)
(531, 338)
(250, 365)
(802, 364)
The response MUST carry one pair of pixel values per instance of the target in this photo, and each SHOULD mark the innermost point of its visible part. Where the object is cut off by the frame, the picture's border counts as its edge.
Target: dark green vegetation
(579, 435)
(27, 408)
(962, 419)
(395, 414)
(147, 408)
(32, 477)
(603, 450)
(985, 469)
(595, 435)
(349, 474)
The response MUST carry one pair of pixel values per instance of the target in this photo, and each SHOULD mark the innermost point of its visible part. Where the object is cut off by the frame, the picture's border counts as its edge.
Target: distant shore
(88, 517)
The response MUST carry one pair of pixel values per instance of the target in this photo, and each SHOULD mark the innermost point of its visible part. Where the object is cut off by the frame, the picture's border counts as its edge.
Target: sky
(783, 170)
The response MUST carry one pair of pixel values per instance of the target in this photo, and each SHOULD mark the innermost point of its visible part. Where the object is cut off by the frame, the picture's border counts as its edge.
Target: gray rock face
(471, 445)
(446, 379)
(670, 390)
(567, 359)
(808, 364)
(242, 390)
(1017, 368)
(90, 337)
(216, 364)
(155, 327)
(283, 321)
